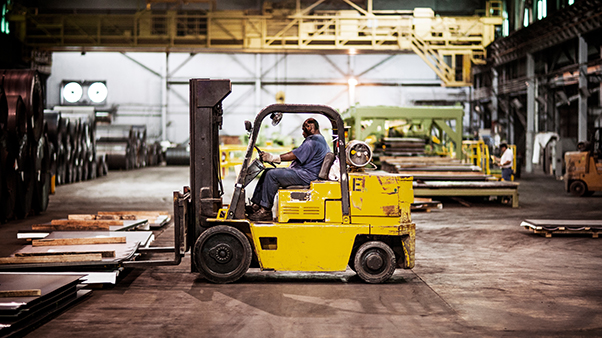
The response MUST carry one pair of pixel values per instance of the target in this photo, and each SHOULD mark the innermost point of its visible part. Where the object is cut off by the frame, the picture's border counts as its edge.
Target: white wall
(136, 87)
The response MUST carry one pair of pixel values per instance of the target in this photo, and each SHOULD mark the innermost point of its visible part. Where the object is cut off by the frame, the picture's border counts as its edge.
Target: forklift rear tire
(578, 188)
(222, 254)
(375, 262)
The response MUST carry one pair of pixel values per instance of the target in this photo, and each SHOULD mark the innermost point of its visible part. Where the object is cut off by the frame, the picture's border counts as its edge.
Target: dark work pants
(270, 181)
(507, 174)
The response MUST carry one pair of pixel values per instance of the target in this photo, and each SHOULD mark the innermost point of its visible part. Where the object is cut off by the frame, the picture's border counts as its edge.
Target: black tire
(222, 254)
(375, 262)
(578, 188)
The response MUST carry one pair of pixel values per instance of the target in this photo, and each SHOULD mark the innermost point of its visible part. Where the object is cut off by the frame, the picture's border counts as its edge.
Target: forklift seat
(324, 170)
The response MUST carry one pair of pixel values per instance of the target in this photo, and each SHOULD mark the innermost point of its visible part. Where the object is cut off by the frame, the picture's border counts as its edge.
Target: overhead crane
(448, 44)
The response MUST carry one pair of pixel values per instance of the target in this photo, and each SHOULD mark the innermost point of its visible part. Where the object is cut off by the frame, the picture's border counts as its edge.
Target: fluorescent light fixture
(97, 92)
(72, 92)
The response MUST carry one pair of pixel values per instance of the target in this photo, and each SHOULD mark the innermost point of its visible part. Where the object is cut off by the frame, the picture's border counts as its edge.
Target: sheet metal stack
(425, 168)
(403, 146)
(30, 299)
(25, 150)
(446, 177)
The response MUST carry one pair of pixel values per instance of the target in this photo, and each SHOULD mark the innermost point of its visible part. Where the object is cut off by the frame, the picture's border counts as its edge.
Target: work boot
(262, 215)
(251, 209)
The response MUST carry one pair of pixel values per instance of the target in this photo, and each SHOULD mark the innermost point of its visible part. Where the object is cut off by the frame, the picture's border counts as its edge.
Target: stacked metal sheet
(30, 299)
(25, 150)
(446, 177)
(434, 169)
(403, 146)
(548, 227)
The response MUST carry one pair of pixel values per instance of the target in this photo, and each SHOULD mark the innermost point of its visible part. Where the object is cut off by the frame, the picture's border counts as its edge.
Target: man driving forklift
(306, 163)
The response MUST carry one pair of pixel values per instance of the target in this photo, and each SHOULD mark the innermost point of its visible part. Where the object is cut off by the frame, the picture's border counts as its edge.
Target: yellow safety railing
(477, 153)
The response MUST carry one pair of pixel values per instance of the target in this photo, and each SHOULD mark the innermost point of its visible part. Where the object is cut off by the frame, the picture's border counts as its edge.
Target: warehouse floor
(477, 274)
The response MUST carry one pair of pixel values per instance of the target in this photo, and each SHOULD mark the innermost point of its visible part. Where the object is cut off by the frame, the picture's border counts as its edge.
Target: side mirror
(276, 118)
(248, 126)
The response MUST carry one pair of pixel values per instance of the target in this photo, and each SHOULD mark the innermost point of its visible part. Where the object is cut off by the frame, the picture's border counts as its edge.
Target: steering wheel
(260, 152)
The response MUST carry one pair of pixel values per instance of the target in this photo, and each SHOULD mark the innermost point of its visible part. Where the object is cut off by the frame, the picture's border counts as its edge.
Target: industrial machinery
(362, 220)
(583, 174)
(439, 127)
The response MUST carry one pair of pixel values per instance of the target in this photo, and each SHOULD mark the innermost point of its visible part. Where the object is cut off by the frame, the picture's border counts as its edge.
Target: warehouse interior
(133, 134)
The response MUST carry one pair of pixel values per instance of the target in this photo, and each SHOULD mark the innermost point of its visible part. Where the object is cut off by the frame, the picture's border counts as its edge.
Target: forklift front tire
(374, 262)
(578, 188)
(222, 254)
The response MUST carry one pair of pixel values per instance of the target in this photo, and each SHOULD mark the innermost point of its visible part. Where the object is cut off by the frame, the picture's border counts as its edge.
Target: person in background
(505, 162)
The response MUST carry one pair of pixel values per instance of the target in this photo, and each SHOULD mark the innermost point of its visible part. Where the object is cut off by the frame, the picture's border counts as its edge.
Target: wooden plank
(108, 217)
(50, 227)
(52, 259)
(20, 293)
(135, 213)
(104, 253)
(81, 217)
(85, 222)
(78, 241)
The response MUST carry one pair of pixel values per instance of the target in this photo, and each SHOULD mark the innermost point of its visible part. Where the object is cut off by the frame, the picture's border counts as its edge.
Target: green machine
(441, 123)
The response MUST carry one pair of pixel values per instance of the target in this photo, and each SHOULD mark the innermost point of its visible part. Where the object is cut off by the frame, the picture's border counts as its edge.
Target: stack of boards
(103, 221)
(27, 300)
(96, 244)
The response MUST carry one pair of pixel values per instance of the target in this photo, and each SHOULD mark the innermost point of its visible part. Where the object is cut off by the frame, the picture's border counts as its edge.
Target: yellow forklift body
(310, 234)
(380, 195)
(305, 246)
(582, 166)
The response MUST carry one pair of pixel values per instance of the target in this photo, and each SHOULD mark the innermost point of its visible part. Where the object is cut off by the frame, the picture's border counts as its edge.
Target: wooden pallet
(548, 233)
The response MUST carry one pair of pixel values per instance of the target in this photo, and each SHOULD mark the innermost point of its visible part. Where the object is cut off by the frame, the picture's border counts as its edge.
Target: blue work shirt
(310, 156)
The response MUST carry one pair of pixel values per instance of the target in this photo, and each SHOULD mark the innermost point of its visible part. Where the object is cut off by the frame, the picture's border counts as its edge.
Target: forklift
(583, 174)
(361, 220)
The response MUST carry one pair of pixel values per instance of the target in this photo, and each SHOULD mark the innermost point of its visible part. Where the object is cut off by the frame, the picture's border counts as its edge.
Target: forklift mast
(206, 118)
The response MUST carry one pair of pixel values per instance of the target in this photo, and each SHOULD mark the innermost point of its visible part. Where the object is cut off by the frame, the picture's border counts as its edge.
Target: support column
(583, 90)
(257, 83)
(164, 98)
(352, 81)
(530, 112)
(494, 103)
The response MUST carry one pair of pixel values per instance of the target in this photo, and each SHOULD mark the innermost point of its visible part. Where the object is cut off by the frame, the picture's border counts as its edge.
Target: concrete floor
(477, 274)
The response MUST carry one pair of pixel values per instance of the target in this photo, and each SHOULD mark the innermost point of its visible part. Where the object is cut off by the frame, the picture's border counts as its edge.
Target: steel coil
(177, 156)
(101, 166)
(55, 140)
(118, 155)
(3, 109)
(3, 155)
(27, 84)
(23, 164)
(119, 145)
(41, 173)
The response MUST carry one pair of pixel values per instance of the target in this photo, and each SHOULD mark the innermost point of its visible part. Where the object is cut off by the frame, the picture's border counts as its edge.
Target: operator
(505, 162)
(305, 167)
